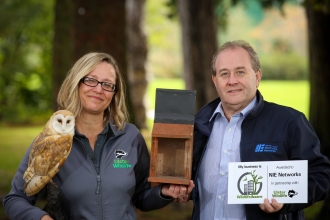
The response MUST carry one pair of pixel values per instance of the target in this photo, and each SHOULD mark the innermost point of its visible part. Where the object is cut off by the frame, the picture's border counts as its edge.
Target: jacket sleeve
(305, 145)
(17, 204)
(146, 198)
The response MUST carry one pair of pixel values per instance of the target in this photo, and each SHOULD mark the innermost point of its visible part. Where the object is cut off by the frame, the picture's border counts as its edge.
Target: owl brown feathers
(49, 151)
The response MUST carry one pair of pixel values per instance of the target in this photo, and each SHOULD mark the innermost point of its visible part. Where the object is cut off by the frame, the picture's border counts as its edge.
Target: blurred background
(158, 44)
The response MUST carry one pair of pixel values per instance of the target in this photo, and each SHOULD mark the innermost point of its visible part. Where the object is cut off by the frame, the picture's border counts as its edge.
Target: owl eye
(68, 121)
(59, 120)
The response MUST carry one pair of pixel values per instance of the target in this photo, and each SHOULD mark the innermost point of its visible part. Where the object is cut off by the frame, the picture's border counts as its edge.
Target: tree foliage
(37, 49)
(25, 54)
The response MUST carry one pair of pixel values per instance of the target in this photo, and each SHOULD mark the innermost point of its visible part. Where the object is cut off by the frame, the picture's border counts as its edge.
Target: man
(229, 128)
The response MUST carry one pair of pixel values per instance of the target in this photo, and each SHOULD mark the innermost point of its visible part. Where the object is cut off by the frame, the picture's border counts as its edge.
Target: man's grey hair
(235, 44)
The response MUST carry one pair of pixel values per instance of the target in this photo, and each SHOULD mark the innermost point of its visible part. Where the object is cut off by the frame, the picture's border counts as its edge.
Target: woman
(106, 173)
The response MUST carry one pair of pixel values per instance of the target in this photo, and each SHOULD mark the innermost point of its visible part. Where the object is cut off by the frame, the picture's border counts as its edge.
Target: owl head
(63, 122)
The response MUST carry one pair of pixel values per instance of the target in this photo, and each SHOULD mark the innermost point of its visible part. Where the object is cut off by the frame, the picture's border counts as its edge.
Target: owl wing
(46, 158)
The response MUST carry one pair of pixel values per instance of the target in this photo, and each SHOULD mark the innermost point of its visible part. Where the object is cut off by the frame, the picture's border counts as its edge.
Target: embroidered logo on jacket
(120, 154)
(265, 148)
(119, 162)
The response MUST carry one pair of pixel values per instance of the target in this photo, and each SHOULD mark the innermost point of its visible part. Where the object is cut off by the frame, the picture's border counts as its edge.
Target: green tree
(25, 61)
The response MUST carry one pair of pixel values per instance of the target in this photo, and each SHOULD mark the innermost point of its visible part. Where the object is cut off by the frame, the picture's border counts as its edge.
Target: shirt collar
(105, 131)
(244, 112)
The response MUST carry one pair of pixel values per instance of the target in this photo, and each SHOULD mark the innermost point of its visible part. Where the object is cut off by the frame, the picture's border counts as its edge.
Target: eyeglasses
(93, 83)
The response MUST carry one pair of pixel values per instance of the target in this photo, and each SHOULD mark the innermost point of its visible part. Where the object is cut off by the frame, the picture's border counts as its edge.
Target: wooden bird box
(172, 137)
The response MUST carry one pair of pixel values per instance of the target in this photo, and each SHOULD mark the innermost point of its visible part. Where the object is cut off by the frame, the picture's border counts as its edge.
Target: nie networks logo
(265, 148)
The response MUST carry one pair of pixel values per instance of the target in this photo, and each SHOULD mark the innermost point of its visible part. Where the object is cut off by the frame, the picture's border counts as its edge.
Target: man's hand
(271, 207)
(181, 193)
(46, 217)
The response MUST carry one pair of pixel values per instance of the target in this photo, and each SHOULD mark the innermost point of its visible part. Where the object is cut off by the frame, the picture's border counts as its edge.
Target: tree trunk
(199, 45)
(100, 26)
(62, 45)
(319, 47)
(137, 56)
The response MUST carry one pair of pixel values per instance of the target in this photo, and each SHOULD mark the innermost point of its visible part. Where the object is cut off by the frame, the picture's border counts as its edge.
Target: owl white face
(63, 124)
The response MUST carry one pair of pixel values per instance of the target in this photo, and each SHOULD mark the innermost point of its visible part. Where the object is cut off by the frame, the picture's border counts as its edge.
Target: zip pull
(98, 180)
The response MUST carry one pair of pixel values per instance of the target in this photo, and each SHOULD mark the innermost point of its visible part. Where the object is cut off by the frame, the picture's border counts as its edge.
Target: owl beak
(63, 128)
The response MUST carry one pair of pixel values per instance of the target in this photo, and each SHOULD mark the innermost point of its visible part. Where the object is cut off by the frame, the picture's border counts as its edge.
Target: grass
(151, 94)
(164, 84)
(289, 93)
(14, 143)
(16, 140)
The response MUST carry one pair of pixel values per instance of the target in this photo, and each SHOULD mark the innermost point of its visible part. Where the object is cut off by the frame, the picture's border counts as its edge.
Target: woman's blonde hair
(68, 96)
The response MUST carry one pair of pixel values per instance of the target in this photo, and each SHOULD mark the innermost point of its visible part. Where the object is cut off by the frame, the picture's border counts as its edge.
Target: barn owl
(49, 151)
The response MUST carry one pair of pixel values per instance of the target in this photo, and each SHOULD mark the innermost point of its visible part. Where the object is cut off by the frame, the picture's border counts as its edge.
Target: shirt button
(219, 197)
(225, 151)
(222, 174)
(229, 129)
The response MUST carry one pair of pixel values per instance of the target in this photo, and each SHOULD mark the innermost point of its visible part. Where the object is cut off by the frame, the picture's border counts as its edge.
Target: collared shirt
(223, 147)
(100, 141)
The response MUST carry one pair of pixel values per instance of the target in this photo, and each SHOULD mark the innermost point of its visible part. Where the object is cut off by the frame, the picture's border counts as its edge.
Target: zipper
(98, 176)
(98, 181)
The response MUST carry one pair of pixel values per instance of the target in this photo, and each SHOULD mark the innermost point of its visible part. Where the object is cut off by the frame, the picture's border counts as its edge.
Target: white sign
(252, 182)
